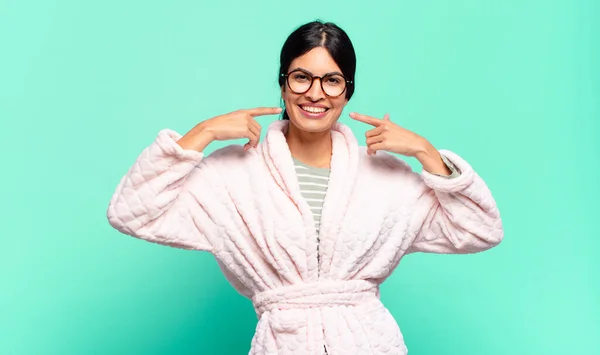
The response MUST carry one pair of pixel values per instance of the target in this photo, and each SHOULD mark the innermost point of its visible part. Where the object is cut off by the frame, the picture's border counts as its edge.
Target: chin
(311, 127)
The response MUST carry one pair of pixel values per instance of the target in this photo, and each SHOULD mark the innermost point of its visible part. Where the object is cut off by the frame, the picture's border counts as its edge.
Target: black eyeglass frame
(287, 80)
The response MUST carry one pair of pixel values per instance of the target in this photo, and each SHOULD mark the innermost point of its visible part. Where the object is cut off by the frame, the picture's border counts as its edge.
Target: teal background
(512, 86)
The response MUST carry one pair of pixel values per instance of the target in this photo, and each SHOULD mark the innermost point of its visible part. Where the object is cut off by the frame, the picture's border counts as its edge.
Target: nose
(315, 93)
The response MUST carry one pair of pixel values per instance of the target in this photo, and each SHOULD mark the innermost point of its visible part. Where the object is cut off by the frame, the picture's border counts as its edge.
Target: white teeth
(314, 109)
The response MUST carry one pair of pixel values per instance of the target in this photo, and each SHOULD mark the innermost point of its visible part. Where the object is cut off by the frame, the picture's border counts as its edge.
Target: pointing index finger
(264, 111)
(366, 119)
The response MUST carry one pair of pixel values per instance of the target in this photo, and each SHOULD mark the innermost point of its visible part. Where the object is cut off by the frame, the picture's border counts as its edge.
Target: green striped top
(313, 186)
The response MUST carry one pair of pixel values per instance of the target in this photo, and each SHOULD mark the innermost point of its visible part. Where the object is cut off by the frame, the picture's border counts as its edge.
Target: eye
(300, 77)
(334, 80)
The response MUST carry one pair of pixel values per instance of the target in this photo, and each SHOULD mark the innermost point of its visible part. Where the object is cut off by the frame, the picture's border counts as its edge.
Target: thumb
(386, 117)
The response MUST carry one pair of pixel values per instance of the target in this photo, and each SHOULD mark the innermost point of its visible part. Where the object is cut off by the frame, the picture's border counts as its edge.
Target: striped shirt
(313, 186)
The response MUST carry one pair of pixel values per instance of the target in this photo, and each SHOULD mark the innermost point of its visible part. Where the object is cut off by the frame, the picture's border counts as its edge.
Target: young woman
(306, 223)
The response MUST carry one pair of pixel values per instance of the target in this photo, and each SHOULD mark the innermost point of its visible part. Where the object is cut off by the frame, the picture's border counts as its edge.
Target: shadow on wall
(223, 324)
(226, 326)
(163, 311)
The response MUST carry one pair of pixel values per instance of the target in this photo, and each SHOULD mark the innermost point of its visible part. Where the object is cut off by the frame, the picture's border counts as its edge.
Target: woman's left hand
(390, 137)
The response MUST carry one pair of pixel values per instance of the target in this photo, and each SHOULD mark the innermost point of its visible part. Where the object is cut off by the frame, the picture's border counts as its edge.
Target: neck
(313, 149)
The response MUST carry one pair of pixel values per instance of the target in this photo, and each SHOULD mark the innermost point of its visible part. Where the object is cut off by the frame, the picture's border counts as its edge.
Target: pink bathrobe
(246, 208)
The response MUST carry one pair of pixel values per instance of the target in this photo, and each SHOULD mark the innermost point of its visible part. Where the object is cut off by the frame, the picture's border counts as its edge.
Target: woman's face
(314, 111)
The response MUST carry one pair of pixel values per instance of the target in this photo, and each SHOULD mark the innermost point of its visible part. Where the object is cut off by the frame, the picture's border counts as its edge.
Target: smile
(313, 109)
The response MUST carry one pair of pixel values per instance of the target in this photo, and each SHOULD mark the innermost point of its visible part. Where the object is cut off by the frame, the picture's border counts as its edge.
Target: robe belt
(324, 293)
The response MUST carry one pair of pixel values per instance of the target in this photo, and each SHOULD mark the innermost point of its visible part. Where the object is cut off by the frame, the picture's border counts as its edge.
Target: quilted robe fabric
(246, 209)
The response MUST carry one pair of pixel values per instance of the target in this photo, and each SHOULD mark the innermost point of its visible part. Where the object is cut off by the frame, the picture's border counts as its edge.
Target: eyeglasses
(300, 81)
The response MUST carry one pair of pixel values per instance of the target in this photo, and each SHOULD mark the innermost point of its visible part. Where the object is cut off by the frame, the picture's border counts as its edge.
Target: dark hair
(319, 34)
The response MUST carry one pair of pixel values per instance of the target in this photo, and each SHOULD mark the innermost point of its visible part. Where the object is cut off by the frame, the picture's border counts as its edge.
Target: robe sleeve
(152, 201)
(457, 215)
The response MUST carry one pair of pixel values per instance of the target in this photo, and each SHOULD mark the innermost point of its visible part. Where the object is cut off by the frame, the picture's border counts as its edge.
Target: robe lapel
(344, 164)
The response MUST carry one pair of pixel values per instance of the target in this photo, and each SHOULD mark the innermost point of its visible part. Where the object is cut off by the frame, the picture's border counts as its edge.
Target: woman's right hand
(233, 125)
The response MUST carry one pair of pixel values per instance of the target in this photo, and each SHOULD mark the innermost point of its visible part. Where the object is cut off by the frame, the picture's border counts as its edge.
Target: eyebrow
(308, 71)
